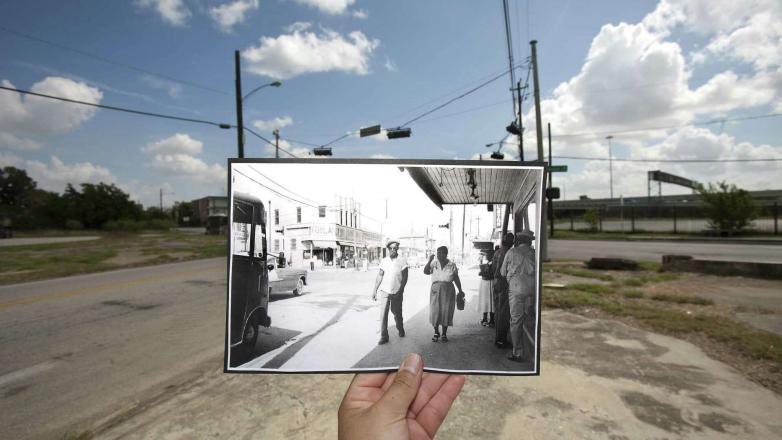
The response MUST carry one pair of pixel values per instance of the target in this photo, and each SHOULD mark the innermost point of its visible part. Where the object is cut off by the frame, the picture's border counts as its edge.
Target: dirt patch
(659, 414)
(129, 257)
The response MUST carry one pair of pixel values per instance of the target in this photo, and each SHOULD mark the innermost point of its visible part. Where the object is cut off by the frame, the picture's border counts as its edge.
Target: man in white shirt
(391, 280)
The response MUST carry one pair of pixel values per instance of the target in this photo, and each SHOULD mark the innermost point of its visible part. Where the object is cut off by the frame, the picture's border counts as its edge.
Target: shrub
(73, 224)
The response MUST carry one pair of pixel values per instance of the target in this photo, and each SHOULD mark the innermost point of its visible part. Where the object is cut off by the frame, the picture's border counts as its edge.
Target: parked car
(287, 280)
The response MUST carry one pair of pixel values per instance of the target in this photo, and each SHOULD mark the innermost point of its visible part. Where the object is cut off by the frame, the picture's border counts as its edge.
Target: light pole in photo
(610, 167)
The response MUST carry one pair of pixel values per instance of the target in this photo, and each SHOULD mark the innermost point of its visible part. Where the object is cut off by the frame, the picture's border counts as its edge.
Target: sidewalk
(599, 379)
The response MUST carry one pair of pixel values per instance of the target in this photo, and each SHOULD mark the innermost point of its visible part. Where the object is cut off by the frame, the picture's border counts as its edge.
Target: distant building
(324, 235)
(210, 206)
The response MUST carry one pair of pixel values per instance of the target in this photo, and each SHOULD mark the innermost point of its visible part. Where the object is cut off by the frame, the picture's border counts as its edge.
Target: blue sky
(605, 67)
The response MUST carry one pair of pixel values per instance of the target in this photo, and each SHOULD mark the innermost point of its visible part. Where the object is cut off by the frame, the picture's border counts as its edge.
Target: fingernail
(412, 363)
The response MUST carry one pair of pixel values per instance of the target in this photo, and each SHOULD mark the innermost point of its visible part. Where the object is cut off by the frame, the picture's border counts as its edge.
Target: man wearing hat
(519, 269)
(391, 280)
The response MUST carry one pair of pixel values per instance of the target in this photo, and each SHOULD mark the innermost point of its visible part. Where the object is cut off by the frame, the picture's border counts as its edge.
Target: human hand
(408, 404)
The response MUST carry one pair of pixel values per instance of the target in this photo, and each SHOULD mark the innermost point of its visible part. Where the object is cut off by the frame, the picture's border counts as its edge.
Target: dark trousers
(502, 316)
(393, 303)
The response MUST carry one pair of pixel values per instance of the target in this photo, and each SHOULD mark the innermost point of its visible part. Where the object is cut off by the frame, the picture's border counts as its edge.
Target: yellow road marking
(99, 288)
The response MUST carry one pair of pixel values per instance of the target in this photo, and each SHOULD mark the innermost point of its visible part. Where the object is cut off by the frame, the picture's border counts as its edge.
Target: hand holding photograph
(324, 253)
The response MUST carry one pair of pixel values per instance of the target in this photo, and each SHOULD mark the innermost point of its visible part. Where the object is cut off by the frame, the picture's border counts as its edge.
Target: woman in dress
(442, 296)
(485, 293)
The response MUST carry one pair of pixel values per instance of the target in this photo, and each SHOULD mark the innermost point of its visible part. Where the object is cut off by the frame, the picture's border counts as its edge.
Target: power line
(274, 191)
(110, 61)
(484, 84)
(633, 130)
(120, 109)
(770, 159)
(282, 187)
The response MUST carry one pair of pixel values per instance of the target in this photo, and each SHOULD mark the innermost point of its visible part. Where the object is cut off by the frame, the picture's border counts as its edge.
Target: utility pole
(550, 184)
(239, 122)
(539, 135)
(464, 213)
(521, 127)
(161, 200)
(610, 166)
(276, 133)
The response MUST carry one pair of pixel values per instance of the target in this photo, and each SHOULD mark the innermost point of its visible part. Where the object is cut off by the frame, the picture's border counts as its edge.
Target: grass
(35, 262)
(655, 313)
(682, 299)
(650, 278)
(585, 273)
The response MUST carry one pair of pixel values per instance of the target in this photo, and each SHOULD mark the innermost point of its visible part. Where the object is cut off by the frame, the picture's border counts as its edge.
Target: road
(44, 240)
(653, 251)
(74, 349)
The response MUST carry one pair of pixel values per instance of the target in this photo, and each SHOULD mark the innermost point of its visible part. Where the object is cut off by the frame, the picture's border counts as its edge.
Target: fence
(658, 219)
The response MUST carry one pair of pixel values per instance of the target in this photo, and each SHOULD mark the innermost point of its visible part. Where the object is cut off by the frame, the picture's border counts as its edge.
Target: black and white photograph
(346, 266)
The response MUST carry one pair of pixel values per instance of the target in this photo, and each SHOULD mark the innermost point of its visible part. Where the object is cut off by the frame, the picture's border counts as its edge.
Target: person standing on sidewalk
(519, 269)
(500, 286)
(391, 280)
(442, 295)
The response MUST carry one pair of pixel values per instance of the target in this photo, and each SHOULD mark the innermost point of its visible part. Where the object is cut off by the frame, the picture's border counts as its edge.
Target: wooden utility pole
(276, 133)
(239, 121)
(521, 127)
(550, 184)
(539, 135)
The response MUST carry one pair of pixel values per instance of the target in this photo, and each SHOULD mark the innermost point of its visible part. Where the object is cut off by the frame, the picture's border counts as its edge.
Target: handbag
(460, 301)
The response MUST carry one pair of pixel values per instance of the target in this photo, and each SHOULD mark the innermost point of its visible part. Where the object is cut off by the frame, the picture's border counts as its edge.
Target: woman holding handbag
(442, 296)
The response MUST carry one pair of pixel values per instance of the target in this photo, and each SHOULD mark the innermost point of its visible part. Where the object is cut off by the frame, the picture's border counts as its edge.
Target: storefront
(329, 244)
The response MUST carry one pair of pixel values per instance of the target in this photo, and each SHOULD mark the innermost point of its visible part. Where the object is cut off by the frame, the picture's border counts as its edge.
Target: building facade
(324, 235)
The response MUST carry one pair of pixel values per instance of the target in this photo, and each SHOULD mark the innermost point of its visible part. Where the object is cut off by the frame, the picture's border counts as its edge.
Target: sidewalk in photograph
(599, 379)
(337, 308)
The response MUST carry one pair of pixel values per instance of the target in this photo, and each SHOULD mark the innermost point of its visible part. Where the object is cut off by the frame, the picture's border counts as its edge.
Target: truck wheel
(250, 337)
(299, 287)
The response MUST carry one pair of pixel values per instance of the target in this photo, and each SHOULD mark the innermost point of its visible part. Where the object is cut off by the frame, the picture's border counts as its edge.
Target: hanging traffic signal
(497, 155)
(399, 132)
(513, 128)
(322, 151)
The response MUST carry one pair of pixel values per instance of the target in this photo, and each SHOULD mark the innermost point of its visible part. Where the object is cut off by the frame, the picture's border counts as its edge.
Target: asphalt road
(74, 349)
(653, 251)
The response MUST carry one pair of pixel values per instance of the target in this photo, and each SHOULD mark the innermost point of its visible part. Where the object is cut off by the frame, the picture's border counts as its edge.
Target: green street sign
(558, 168)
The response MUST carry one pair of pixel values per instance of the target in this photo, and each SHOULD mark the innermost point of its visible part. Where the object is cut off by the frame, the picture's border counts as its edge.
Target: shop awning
(324, 244)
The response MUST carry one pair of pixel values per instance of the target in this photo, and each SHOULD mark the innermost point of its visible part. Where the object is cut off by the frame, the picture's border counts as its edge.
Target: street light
(239, 99)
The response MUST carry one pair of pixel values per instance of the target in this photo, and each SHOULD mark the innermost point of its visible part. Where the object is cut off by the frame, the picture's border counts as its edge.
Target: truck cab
(249, 288)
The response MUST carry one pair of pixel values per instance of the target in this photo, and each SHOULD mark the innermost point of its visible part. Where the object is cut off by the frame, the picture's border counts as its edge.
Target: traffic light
(322, 151)
(369, 131)
(399, 132)
(497, 155)
(513, 128)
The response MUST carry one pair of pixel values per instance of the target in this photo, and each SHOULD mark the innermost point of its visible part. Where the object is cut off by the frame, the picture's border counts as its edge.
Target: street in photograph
(347, 266)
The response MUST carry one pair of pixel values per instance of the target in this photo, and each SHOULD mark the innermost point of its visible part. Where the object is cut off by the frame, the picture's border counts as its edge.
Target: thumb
(402, 392)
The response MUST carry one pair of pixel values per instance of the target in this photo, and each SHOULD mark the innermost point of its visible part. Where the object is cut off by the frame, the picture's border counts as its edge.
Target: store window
(321, 211)
(276, 216)
(293, 244)
(276, 245)
(298, 214)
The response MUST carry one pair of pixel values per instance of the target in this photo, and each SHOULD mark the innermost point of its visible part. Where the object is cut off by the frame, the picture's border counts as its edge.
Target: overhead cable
(113, 62)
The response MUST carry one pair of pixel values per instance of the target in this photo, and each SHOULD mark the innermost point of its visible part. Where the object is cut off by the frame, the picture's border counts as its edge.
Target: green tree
(592, 217)
(16, 188)
(99, 203)
(728, 208)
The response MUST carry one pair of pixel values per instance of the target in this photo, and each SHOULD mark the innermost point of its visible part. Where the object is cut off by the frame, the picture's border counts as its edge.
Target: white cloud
(332, 7)
(53, 176)
(178, 143)
(8, 140)
(185, 165)
(361, 14)
(301, 152)
(173, 12)
(227, 15)
(276, 123)
(390, 66)
(301, 52)
(172, 89)
(23, 119)
(298, 26)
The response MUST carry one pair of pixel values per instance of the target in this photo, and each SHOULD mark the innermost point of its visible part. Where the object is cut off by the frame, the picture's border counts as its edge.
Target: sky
(390, 200)
(669, 79)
